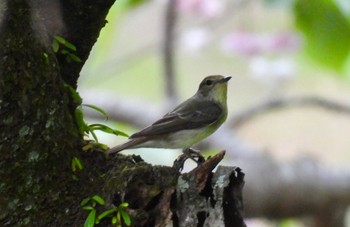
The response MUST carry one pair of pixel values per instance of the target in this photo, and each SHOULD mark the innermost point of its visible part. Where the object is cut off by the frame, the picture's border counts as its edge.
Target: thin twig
(168, 50)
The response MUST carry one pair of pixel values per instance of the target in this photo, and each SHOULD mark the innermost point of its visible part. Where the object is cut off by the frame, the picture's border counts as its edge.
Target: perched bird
(190, 122)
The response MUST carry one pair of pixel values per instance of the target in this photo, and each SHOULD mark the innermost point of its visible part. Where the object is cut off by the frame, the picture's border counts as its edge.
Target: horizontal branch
(280, 103)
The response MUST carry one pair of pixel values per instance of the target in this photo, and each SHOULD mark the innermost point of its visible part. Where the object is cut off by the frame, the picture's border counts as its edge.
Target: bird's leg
(188, 153)
(180, 162)
(194, 155)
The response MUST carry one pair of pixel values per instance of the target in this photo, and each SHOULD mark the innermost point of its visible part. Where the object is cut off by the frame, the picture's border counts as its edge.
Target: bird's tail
(129, 144)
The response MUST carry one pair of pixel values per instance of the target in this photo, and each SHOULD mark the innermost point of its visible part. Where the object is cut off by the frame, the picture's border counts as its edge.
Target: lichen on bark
(38, 136)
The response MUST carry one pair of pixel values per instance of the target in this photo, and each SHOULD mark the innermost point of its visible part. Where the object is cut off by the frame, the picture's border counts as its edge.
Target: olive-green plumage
(190, 122)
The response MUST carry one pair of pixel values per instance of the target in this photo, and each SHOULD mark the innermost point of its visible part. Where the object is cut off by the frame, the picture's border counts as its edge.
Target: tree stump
(160, 195)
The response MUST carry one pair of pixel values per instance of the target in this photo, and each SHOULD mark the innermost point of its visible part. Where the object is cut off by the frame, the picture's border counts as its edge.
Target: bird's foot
(194, 155)
(180, 162)
(188, 153)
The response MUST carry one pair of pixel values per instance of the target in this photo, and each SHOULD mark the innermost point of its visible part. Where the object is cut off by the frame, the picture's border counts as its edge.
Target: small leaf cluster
(118, 214)
(64, 47)
(86, 129)
(76, 165)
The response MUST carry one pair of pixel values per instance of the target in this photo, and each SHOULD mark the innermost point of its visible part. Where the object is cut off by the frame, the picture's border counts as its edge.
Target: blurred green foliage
(326, 30)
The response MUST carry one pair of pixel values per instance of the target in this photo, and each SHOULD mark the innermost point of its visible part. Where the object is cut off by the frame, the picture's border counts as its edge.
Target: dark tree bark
(159, 195)
(39, 135)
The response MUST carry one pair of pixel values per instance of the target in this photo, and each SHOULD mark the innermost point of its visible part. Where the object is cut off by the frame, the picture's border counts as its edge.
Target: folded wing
(193, 116)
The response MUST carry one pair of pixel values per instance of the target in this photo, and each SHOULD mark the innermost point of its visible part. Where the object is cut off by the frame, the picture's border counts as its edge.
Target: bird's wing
(184, 117)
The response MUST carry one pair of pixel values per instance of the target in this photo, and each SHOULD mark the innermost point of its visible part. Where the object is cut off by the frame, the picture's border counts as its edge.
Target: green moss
(33, 156)
(25, 130)
(139, 183)
(38, 136)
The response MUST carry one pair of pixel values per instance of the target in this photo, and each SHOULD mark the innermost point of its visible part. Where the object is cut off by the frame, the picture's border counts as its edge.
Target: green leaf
(60, 39)
(88, 147)
(125, 216)
(55, 46)
(91, 131)
(98, 109)
(64, 52)
(74, 57)
(326, 30)
(289, 223)
(99, 200)
(107, 129)
(124, 204)
(88, 208)
(79, 118)
(90, 220)
(101, 145)
(70, 46)
(75, 95)
(77, 164)
(92, 145)
(118, 219)
(114, 220)
(65, 43)
(107, 213)
(85, 201)
(46, 58)
(70, 57)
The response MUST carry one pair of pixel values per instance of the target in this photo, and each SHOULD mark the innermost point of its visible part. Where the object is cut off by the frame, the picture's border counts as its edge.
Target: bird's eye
(209, 82)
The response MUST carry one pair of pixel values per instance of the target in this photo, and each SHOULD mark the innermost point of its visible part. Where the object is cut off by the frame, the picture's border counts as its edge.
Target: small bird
(190, 122)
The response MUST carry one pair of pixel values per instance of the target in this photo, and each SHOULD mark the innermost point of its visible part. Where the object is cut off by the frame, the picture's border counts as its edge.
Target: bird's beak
(225, 80)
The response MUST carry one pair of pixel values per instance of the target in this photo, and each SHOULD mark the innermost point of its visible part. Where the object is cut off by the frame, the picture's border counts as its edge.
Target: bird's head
(214, 88)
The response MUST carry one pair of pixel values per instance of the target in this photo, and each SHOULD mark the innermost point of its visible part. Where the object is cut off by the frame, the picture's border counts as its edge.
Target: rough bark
(33, 111)
(159, 195)
(211, 199)
(38, 136)
(83, 21)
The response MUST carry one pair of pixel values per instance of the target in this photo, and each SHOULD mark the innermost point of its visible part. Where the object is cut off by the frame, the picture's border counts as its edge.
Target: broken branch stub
(204, 198)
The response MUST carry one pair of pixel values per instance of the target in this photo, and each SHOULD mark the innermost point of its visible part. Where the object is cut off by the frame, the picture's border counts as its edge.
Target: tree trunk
(39, 136)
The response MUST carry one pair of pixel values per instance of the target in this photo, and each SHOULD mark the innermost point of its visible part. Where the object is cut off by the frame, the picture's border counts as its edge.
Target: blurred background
(289, 98)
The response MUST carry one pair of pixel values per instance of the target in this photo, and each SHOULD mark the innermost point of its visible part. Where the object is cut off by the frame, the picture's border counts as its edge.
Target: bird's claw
(180, 162)
(188, 153)
(194, 155)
